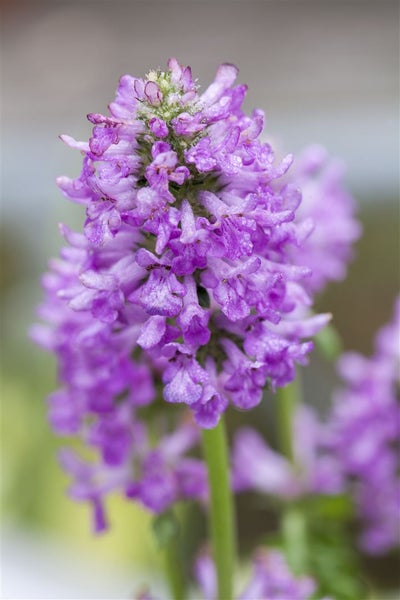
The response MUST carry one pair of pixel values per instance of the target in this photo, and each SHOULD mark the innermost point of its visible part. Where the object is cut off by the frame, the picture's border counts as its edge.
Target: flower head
(185, 271)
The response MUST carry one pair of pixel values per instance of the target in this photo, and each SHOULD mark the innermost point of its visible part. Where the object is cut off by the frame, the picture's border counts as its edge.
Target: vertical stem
(294, 527)
(222, 521)
(287, 400)
(294, 533)
(173, 569)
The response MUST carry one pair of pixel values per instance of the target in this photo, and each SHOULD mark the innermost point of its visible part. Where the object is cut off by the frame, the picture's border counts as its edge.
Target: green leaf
(334, 561)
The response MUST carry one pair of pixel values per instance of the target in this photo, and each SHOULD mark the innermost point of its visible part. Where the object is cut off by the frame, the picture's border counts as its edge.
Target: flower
(365, 426)
(185, 272)
(355, 451)
(315, 470)
(155, 476)
(271, 579)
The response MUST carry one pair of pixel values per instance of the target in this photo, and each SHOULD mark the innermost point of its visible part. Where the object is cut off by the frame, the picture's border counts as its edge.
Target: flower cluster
(187, 251)
(184, 272)
(190, 282)
(156, 477)
(105, 390)
(365, 426)
(190, 289)
(271, 579)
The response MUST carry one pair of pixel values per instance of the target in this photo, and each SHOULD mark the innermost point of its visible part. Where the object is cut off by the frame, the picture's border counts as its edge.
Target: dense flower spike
(365, 426)
(186, 271)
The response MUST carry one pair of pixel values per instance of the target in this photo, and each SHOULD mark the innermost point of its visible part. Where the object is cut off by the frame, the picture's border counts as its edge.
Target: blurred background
(324, 71)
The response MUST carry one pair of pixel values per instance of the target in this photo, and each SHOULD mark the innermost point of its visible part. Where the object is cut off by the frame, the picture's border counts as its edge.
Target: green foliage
(332, 557)
(294, 535)
(338, 507)
(334, 563)
(316, 539)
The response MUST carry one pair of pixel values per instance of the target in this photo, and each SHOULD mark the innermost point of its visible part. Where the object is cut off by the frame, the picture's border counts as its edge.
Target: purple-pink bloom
(257, 467)
(365, 426)
(183, 380)
(186, 271)
(184, 205)
(327, 210)
(314, 469)
(271, 579)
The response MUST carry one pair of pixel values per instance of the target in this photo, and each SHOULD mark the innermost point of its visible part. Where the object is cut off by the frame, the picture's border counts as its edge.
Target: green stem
(287, 399)
(294, 526)
(173, 569)
(294, 533)
(222, 521)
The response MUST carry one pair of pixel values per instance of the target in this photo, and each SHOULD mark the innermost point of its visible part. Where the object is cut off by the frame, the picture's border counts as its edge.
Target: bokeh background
(324, 71)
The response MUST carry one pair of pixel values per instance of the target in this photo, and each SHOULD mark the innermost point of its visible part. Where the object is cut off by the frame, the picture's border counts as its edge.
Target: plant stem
(294, 533)
(222, 521)
(287, 400)
(294, 526)
(173, 569)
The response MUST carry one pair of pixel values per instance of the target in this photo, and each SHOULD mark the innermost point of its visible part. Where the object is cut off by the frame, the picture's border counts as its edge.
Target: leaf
(334, 561)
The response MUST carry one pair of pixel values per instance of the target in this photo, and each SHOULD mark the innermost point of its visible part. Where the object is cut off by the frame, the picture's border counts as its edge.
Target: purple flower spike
(365, 430)
(188, 272)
